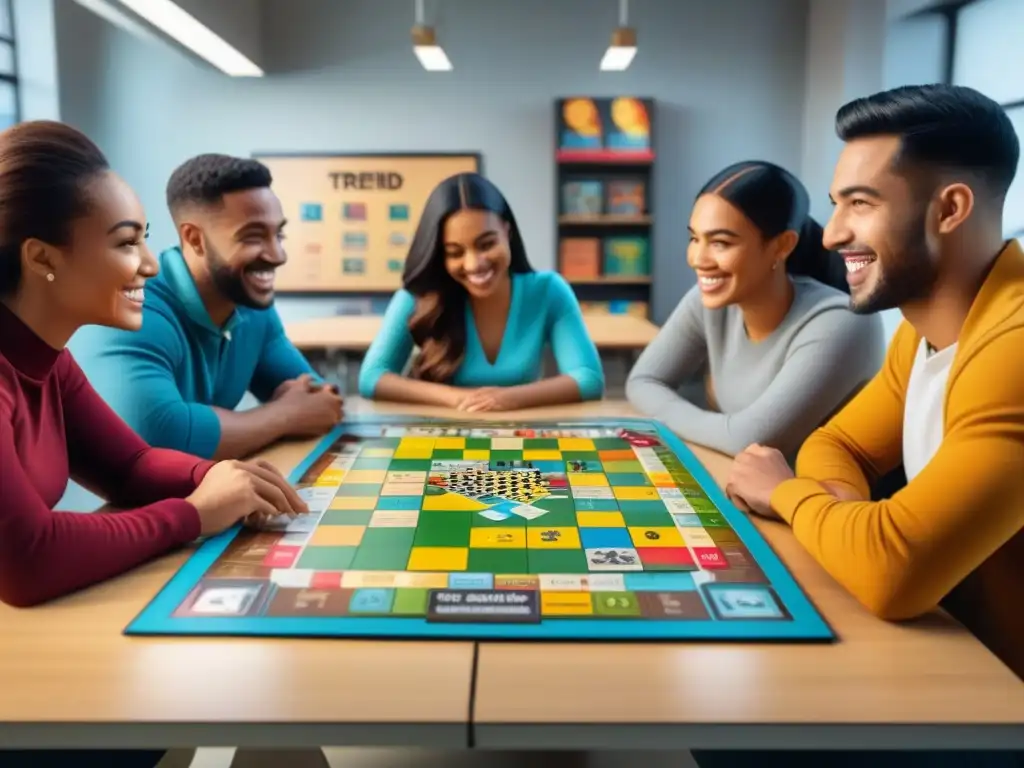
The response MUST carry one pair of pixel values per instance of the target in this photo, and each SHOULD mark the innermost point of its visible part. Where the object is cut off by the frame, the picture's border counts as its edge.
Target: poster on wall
(351, 217)
(604, 128)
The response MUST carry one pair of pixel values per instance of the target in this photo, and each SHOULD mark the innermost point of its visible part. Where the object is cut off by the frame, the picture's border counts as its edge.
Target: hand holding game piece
(233, 490)
(755, 474)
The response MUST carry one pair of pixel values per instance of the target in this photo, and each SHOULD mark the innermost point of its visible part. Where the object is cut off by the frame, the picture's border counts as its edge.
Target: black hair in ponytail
(776, 202)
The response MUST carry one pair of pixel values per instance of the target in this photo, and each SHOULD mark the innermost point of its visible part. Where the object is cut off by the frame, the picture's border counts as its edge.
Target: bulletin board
(351, 217)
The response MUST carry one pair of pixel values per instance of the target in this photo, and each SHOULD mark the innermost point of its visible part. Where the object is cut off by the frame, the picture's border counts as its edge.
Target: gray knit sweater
(775, 391)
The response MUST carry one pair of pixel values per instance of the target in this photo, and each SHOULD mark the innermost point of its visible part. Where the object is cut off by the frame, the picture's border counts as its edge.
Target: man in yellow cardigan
(919, 191)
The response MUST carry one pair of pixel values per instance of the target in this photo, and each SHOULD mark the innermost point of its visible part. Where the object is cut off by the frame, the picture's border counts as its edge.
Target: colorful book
(627, 256)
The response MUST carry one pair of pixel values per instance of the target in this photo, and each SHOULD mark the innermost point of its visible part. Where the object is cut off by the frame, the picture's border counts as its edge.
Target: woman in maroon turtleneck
(73, 253)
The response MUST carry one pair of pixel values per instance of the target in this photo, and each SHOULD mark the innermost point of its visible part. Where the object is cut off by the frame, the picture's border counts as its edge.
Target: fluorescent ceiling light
(431, 55)
(188, 31)
(118, 18)
(621, 51)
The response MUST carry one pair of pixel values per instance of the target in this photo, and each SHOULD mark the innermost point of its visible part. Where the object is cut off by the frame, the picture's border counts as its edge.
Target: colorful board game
(564, 530)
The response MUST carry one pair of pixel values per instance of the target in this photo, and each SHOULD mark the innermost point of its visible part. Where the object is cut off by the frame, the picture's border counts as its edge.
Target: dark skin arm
(243, 433)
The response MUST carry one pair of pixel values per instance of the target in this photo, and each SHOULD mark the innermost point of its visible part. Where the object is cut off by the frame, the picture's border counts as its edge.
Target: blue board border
(806, 624)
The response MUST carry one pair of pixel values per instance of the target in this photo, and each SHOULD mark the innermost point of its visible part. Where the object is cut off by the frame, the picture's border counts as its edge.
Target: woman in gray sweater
(764, 348)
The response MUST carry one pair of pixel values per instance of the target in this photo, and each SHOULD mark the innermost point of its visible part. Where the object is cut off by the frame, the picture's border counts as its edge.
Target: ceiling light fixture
(188, 31)
(623, 46)
(424, 45)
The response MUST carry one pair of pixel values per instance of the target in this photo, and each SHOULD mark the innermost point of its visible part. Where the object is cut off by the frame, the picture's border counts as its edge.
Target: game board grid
(373, 496)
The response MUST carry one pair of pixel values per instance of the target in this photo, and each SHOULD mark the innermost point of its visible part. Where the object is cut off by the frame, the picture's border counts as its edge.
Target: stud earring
(50, 277)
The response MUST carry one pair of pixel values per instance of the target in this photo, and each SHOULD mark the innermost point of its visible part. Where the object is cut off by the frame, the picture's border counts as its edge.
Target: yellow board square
(497, 538)
(661, 536)
(661, 480)
(417, 442)
(564, 537)
(412, 452)
(438, 559)
(636, 493)
(354, 502)
(450, 443)
(369, 476)
(337, 536)
(565, 604)
(587, 479)
(542, 455)
(331, 476)
(575, 444)
(476, 455)
(451, 502)
(600, 520)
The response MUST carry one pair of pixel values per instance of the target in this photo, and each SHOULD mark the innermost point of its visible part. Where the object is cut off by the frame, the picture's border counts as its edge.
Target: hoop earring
(50, 277)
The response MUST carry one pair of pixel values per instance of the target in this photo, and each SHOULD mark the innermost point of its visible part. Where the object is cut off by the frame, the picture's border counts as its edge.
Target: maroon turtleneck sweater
(53, 426)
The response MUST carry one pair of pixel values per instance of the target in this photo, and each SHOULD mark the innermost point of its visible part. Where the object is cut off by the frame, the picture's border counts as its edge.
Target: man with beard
(919, 191)
(210, 332)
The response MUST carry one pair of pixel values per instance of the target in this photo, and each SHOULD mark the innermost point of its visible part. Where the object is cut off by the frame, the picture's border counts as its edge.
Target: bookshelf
(604, 162)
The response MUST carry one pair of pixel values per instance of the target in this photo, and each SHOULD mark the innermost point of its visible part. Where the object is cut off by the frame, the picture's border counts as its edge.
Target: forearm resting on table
(554, 391)
(400, 389)
(243, 433)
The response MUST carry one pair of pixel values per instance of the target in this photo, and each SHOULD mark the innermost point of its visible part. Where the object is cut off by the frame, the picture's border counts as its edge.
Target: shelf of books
(604, 172)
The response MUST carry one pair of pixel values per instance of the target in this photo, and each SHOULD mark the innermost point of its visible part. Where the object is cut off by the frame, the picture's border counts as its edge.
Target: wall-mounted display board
(351, 217)
(604, 182)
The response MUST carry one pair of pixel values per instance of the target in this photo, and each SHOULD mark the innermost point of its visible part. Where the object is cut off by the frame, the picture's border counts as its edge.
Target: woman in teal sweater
(479, 314)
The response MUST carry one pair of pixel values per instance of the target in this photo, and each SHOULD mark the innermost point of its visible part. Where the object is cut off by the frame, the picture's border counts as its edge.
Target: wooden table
(70, 678)
(353, 333)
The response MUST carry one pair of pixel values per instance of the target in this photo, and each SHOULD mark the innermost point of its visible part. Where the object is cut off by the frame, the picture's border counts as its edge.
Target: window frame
(12, 77)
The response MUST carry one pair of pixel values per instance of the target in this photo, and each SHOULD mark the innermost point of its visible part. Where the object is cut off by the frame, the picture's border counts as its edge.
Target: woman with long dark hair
(478, 315)
(73, 253)
(766, 334)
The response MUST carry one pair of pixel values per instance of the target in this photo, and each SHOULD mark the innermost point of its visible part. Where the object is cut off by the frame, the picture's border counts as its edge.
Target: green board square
(642, 505)
(497, 456)
(372, 462)
(478, 444)
(442, 529)
(365, 490)
(509, 561)
(346, 517)
(612, 444)
(615, 604)
(380, 559)
(624, 480)
(326, 558)
(596, 505)
(409, 465)
(713, 520)
(647, 519)
(623, 467)
(555, 504)
(410, 601)
(581, 456)
(559, 519)
(540, 444)
(387, 538)
(557, 561)
(448, 453)
(702, 505)
(380, 442)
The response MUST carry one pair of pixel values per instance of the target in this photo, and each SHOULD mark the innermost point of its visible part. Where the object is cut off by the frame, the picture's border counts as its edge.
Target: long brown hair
(438, 322)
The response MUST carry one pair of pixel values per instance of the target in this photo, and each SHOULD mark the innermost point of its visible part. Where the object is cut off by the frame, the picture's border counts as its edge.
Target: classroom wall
(728, 75)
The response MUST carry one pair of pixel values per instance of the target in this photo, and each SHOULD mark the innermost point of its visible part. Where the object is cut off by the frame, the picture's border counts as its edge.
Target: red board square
(281, 556)
(326, 580)
(678, 556)
(710, 558)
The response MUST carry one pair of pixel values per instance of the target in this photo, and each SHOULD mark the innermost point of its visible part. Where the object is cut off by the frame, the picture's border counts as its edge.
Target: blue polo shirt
(165, 379)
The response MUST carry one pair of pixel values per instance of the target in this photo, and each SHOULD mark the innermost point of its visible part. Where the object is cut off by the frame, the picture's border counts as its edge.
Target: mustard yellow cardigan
(952, 536)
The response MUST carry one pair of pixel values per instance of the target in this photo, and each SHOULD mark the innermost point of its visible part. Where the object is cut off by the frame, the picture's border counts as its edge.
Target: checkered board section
(514, 530)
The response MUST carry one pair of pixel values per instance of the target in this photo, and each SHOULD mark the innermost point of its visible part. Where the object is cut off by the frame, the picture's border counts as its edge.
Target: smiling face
(241, 240)
(476, 251)
(879, 225)
(730, 255)
(98, 277)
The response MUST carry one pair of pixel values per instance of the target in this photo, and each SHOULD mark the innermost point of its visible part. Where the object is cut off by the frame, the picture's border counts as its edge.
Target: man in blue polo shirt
(210, 332)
